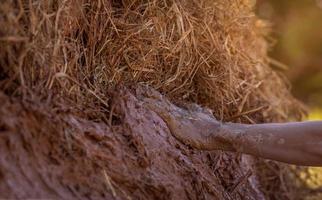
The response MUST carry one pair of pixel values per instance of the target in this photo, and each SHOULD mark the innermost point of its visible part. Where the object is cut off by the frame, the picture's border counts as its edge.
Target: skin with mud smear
(298, 143)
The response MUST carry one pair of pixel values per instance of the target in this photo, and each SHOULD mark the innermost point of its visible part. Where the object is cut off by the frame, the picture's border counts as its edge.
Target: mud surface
(47, 153)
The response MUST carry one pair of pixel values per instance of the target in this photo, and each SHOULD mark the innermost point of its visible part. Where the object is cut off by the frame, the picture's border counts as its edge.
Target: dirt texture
(50, 152)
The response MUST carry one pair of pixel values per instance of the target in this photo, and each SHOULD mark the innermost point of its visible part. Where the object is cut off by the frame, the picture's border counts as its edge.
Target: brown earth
(49, 152)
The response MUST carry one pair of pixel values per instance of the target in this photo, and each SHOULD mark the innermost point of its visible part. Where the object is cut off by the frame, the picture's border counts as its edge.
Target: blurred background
(297, 43)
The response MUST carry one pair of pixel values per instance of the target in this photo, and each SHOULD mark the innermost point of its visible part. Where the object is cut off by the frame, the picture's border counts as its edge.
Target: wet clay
(61, 155)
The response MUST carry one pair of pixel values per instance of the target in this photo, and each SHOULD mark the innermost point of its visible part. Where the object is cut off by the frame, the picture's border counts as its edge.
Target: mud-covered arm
(297, 143)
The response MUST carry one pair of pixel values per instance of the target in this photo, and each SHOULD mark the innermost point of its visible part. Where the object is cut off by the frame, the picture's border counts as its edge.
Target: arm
(297, 143)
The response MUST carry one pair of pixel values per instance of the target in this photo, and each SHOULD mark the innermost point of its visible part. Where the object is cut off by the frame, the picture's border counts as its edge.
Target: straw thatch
(209, 52)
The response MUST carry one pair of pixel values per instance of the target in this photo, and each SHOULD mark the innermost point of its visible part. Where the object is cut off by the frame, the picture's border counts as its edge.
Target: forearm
(296, 143)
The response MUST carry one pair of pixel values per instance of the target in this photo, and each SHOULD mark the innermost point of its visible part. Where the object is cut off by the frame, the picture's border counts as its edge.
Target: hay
(209, 52)
(213, 53)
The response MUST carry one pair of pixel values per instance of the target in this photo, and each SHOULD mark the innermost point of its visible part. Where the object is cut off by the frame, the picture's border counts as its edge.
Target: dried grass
(209, 52)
